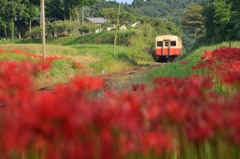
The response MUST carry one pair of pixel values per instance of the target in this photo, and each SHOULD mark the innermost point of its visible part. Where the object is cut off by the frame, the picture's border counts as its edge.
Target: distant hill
(171, 10)
(167, 9)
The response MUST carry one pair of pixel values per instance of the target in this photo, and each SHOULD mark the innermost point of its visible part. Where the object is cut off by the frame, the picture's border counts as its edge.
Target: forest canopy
(212, 20)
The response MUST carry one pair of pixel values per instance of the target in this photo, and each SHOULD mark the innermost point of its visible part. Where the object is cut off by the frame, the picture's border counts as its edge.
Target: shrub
(36, 32)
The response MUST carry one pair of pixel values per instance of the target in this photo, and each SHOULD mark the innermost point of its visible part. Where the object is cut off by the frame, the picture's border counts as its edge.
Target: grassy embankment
(175, 69)
(93, 51)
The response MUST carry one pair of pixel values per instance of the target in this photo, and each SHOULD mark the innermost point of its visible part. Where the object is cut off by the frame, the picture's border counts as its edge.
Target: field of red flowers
(179, 118)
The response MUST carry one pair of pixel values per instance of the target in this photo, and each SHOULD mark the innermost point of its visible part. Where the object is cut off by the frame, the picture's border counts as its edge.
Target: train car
(167, 47)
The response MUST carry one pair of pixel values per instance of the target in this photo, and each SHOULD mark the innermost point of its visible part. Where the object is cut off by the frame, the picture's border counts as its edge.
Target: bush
(36, 32)
(88, 28)
(63, 28)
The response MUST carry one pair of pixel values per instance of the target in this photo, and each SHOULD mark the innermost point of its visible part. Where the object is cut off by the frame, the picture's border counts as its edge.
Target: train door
(166, 48)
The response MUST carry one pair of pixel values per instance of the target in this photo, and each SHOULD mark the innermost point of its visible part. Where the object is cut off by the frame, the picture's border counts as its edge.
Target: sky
(123, 1)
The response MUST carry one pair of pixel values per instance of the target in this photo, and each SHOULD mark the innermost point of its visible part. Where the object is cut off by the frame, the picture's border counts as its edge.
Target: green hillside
(166, 9)
(95, 38)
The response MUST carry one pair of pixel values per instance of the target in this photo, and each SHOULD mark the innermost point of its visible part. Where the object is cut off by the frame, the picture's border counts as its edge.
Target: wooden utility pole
(115, 39)
(43, 30)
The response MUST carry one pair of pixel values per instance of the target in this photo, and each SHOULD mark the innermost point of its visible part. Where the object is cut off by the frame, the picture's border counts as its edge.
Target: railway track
(106, 77)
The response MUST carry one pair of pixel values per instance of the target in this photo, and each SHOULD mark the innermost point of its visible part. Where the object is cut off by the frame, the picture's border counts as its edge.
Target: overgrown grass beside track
(179, 68)
(93, 51)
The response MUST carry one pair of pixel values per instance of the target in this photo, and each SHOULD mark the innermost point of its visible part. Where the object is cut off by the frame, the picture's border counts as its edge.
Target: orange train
(167, 47)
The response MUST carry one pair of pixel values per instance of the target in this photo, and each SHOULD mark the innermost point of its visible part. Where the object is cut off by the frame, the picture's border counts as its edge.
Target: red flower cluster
(223, 62)
(3, 51)
(17, 51)
(70, 124)
(207, 55)
(77, 65)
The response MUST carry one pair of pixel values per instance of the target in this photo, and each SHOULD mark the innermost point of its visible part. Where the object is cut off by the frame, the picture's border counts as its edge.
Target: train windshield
(160, 43)
(173, 43)
(166, 43)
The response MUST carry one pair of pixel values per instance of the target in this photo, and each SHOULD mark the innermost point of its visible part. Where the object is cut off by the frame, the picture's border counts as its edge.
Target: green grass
(37, 49)
(93, 51)
(60, 71)
(195, 55)
(105, 37)
(175, 69)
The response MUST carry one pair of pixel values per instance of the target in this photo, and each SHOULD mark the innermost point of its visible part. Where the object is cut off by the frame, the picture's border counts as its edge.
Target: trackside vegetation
(182, 67)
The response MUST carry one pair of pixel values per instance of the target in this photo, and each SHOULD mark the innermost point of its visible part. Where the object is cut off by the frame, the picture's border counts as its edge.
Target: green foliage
(65, 9)
(63, 28)
(126, 18)
(222, 20)
(111, 15)
(152, 27)
(35, 32)
(108, 13)
(171, 10)
(193, 24)
(3, 24)
(9, 9)
(30, 11)
(124, 37)
(88, 28)
(138, 3)
(194, 20)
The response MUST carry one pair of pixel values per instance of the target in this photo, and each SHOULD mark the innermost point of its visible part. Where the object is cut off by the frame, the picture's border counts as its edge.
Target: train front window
(166, 43)
(173, 43)
(160, 43)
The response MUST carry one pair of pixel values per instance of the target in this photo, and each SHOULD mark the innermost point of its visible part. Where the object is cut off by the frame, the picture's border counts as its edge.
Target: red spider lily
(207, 55)
(3, 51)
(77, 65)
(224, 62)
(70, 124)
(44, 65)
(17, 51)
(87, 83)
(157, 141)
(232, 77)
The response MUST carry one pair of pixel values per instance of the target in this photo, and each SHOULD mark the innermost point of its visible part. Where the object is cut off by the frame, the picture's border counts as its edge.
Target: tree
(30, 12)
(194, 20)
(193, 24)
(111, 15)
(72, 5)
(127, 18)
(236, 19)
(10, 9)
(3, 25)
(222, 15)
(138, 3)
(219, 20)
(66, 9)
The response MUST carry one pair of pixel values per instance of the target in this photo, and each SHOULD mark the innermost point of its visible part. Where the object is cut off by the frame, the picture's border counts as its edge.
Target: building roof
(97, 20)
